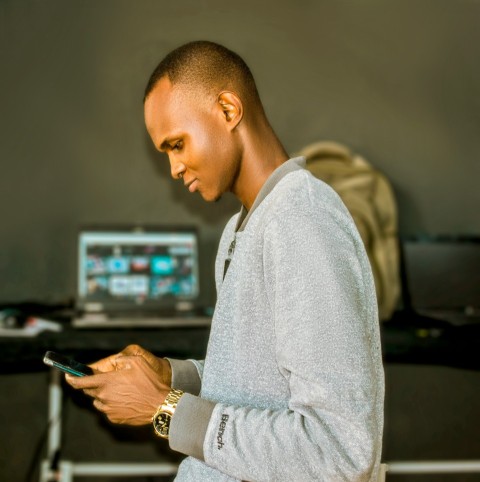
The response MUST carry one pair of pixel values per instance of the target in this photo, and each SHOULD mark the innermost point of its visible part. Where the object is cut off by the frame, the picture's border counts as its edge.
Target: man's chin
(211, 199)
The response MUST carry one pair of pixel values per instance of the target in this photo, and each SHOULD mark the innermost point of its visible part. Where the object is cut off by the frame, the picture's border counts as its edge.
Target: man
(292, 385)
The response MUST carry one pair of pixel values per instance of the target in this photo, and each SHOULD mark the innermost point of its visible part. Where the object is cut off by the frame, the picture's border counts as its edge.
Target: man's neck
(262, 155)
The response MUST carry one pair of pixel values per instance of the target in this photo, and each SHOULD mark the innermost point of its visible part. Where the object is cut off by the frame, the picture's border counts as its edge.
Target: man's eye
(177, 146)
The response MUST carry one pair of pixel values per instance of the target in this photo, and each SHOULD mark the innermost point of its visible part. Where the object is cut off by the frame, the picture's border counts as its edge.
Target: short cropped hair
(208, 66)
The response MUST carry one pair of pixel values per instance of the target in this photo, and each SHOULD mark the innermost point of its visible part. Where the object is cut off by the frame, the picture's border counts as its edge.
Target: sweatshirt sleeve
(322, 297)
(186, 375)
(192, 415)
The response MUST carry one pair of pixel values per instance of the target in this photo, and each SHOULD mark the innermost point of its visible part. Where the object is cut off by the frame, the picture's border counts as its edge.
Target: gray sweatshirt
(292, 386)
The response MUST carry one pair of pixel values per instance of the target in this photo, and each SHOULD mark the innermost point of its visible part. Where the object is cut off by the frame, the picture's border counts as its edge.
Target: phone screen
(68, 365)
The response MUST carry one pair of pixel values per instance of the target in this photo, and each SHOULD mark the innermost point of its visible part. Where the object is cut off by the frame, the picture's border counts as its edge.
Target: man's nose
(177, 169)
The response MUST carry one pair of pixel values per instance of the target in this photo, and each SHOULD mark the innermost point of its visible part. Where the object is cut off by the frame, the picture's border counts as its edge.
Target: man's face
(194, 133)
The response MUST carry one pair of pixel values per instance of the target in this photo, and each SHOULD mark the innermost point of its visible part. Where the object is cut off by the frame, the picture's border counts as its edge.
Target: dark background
(397, 81)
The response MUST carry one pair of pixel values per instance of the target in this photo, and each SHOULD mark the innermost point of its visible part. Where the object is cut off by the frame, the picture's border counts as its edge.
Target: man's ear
(232, 108)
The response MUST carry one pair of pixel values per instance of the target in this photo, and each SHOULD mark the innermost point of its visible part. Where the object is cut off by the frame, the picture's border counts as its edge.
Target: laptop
(442, 277)
(138, 277)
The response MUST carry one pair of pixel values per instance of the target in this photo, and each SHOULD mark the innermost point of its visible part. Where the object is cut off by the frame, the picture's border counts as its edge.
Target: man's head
(208, 68)
(195, 104)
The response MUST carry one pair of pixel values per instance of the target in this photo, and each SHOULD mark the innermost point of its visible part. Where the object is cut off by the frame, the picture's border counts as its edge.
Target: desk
(406, 338)
(26, 354)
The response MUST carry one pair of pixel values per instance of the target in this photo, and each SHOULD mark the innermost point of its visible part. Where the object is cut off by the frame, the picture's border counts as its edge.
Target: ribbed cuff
(185, 376)
(189, 425)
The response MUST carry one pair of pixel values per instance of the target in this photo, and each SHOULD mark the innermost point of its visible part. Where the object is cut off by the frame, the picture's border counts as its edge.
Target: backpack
(369, 197)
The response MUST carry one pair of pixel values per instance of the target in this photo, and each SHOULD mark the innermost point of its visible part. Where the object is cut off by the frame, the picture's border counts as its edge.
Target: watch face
(162, 424)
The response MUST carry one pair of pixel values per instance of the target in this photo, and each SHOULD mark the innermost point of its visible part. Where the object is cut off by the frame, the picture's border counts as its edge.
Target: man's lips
(192, 185)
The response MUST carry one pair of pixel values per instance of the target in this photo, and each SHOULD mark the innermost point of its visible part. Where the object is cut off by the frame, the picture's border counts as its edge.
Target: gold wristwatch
(163, 416)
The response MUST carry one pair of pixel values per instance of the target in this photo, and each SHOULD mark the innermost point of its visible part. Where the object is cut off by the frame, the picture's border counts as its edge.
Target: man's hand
(129, 390)
(160, 365)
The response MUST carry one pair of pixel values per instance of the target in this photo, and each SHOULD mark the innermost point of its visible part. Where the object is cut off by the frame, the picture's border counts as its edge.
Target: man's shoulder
(300, 191)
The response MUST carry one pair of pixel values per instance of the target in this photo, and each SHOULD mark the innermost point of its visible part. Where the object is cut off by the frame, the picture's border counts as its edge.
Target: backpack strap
(368, 196)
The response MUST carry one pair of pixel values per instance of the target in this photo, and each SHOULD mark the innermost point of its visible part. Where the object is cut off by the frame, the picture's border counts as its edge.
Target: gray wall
(397, 81)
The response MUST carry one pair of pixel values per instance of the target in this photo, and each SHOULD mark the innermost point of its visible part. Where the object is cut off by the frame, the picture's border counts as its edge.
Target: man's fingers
(99, 405)
(132, 350)
(105, 364)
(82, 383)
(90, 392)
(99, 365)
(123, 363)
(108, 364)
(129, 362)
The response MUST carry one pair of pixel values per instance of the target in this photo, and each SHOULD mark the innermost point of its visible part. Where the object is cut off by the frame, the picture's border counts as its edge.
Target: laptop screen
(122, 269)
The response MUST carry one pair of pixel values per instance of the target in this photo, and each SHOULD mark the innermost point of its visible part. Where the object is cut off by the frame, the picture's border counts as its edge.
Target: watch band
(172, 399)
(163, 416)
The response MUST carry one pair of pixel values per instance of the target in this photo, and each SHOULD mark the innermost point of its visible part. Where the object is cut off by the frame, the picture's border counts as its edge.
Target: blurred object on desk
(442, 277)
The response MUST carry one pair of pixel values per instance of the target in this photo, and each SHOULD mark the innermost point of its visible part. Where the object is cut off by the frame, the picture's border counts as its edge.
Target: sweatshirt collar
(293, 164)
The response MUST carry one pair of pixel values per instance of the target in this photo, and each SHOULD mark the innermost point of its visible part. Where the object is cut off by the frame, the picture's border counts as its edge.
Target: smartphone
(68, 365)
